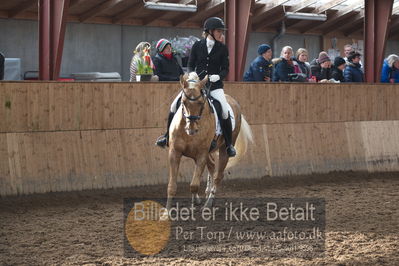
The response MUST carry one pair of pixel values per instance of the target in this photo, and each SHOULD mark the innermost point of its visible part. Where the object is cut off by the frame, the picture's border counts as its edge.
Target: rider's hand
(214, 78)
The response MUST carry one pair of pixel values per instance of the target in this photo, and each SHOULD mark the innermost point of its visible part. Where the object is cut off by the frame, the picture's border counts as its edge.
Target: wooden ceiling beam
(98, 9)
(159, 15)
(266, 10)
(21, 8)
(350, 20)
(324, 7)
(208, 7)
(129, 12)
(302, 5)
(339, 15)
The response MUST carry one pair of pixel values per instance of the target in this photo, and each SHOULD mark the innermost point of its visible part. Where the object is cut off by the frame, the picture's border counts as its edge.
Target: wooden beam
(281, 16)
(341, 14)
(21, 8)
(267, 9)
(161, 14)
(129, 12)
(348, 21)
(302, 5)
(75, 2)
(208, 7)
(324, 7)
(355, 27)
(98, 9)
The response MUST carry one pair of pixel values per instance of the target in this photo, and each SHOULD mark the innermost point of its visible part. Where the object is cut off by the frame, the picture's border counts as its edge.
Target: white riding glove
(214, 78)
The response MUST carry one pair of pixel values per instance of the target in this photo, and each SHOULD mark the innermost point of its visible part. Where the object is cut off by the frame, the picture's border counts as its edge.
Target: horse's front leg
(211, 172)
(218, 176)
(195, 182)
(174, 162)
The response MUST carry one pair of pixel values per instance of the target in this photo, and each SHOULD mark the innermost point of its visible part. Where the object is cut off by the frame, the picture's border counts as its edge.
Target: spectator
(283, 65)
(166, 66)
(142, 49)
(352, 72)
(390, 69)
(348, 48)
(261, 68)
(301, 66)
(338, 69)
(321, 67)
(2, 59)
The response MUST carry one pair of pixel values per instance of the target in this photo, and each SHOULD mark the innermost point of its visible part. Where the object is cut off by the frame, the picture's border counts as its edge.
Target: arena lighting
(171, 6)
(306, 16)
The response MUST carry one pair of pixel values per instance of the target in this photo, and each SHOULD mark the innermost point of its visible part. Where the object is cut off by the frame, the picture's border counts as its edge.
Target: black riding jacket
(214, 63)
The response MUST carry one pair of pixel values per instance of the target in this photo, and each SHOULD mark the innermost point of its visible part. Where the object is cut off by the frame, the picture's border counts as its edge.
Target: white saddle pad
(218, 126)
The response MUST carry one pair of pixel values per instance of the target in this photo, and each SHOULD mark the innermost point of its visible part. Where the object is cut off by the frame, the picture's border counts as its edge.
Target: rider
(210, 56)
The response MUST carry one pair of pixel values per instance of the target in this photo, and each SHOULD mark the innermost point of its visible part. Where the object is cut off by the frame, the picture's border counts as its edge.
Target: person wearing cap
(166, 66)
(261, 68)
(390, 69)
(209, 56)
(338, 69)
(284, 66)
(301, 64)
(321, 67)
(353, 72)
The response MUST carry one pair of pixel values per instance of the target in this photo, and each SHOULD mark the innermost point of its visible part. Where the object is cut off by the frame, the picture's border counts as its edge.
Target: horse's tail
(244, 136)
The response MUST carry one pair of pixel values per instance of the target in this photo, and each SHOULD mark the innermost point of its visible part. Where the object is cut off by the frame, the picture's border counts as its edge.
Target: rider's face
(219, 35)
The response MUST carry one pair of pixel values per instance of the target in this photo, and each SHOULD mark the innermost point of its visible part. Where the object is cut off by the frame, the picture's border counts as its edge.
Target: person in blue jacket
(390, 69)
(284, 66)
(261, 68)
(353, 72)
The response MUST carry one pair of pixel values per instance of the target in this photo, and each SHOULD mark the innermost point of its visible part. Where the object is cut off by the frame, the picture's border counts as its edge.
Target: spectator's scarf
(168, 56)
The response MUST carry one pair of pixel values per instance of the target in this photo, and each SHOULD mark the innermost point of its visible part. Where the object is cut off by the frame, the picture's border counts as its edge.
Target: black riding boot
(162, 141)
(227, 129)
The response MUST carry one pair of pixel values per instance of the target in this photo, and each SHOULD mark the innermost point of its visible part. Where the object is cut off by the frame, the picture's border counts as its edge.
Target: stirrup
(231, 151)
(162, 141)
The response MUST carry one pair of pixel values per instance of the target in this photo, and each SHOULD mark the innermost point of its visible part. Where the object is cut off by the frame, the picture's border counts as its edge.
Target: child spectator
(321, 67)
(338, 69)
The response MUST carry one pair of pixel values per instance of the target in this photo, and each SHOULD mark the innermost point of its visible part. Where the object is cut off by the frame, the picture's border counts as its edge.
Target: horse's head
(193, 101)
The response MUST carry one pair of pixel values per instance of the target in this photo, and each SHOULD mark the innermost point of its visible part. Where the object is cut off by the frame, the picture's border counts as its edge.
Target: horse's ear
(204, 81)
(183, 81)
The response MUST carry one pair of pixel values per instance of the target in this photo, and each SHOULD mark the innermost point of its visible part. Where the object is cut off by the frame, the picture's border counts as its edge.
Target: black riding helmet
(214, 23)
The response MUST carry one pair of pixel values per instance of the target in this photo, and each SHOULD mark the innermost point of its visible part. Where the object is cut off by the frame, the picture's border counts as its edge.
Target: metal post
(238, 22)
(44, 39)
(377, 17)
(52, 15)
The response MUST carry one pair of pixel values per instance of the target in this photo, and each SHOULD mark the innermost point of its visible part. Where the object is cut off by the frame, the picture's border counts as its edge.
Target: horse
(191, 133)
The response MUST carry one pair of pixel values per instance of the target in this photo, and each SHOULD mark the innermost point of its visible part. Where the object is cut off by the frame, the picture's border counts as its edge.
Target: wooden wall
(74, 136)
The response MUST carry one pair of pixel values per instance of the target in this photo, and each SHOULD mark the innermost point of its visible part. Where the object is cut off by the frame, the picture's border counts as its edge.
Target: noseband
(193, 118)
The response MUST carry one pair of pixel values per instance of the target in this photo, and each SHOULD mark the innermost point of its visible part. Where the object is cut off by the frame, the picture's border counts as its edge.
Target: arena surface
(87, 227)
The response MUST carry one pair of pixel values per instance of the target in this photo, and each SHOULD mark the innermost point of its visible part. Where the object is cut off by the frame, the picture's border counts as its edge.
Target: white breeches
(218, 94)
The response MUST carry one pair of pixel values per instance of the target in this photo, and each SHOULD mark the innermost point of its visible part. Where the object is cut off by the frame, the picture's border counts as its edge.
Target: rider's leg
(162, 141)
(225, 121)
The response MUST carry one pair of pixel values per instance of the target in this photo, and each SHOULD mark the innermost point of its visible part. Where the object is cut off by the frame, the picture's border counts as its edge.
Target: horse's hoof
(196, 200)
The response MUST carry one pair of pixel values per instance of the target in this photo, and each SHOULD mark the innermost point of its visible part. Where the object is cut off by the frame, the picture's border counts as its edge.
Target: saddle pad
(218, 127)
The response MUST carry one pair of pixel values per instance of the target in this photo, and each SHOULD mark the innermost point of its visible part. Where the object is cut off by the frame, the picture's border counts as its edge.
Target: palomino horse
(191, 133)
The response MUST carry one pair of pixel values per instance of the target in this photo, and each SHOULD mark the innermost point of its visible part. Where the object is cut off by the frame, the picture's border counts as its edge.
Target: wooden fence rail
(74, 136)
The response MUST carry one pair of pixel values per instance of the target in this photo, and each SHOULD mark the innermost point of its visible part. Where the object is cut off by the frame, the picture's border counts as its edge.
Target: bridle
(194, 118)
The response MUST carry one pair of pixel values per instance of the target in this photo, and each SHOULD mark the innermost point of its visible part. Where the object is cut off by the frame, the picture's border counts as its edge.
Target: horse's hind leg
(210, 163)
(195, 182)
(174, 162)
